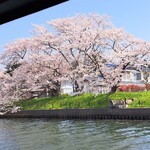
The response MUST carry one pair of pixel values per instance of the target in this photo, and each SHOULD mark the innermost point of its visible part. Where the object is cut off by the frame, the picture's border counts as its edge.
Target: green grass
(141, 100)
(66, 101)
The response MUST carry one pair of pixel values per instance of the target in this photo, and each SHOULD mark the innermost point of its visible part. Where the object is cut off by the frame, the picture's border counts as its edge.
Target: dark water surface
(44, 134)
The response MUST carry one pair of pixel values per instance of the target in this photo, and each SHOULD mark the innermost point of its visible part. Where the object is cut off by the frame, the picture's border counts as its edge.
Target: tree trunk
(114, 88)
(76, 86)
(56, 90)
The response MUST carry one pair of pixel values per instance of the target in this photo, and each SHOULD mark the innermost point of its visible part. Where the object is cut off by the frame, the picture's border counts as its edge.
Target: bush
(123, 88)
(131, 88)
(147, 86)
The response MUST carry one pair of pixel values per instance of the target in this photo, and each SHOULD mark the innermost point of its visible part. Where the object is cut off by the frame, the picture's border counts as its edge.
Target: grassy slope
(142, 99)
(64, 101)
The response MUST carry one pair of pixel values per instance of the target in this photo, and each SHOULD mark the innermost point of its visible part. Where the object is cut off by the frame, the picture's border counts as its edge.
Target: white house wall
(131, 76)
(66, 87)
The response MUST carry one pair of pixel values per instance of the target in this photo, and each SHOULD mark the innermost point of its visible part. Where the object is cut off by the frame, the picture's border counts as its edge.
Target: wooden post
(139, 102)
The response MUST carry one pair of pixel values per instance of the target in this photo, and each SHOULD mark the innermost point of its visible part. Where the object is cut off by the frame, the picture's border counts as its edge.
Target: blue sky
(132, 15)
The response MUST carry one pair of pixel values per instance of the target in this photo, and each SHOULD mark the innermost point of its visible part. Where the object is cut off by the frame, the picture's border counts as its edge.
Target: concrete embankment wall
(132, 114)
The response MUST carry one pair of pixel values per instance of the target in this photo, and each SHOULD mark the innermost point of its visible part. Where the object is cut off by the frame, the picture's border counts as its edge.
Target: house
(66, 87)
(130, 76)
(133, 76)
(96, 86)
(34, 93)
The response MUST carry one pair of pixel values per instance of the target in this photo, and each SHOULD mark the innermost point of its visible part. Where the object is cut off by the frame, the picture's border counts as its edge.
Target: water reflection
(43, 134)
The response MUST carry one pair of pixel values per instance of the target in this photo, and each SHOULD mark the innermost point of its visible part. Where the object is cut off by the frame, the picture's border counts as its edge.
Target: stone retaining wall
(132, 114)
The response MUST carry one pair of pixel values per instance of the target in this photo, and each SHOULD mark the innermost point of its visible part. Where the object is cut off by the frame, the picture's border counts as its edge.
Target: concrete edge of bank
(129, 114)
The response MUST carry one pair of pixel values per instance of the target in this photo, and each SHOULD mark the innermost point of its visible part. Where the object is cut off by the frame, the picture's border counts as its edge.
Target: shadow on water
(45, 134)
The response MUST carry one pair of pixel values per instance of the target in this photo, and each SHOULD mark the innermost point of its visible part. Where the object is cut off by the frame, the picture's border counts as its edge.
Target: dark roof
(145, 69)
(131, 68)
(14, 9)
(110, 65)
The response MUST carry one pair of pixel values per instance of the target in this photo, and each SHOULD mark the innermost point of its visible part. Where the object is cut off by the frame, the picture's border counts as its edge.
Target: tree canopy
(76, 48)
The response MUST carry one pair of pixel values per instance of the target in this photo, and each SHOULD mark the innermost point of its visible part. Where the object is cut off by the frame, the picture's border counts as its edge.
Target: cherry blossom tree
(89, 44)
(34, 70)
(80, 49)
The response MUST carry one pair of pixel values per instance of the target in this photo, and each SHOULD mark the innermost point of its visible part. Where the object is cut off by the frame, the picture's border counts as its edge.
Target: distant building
(130, 76)
(67, 87)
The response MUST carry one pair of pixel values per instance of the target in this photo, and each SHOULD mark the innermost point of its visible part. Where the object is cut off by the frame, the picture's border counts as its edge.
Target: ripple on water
(44, 134)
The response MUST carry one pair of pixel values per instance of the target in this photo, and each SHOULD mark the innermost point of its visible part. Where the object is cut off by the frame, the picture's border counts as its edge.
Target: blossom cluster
(79, 49)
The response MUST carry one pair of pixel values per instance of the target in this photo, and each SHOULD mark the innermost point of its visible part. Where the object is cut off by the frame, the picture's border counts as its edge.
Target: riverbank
(126, 114)
(86, 101)
(65, 101)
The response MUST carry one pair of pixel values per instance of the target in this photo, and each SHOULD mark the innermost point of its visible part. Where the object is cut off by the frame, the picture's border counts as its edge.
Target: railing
(66, 105)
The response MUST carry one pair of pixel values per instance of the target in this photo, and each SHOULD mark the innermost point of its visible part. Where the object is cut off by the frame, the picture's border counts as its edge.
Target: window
(138, 76)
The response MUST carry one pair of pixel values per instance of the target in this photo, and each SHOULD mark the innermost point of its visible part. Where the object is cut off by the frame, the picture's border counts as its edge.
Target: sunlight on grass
(141, 100)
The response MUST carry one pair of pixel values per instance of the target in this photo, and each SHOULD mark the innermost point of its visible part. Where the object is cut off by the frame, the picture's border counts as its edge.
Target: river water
(44, 134)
